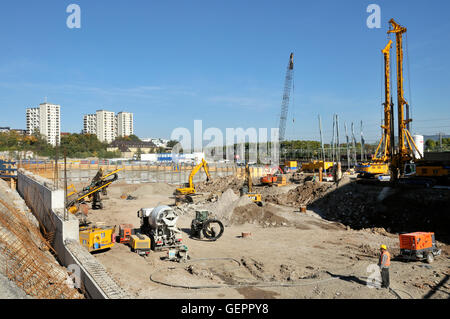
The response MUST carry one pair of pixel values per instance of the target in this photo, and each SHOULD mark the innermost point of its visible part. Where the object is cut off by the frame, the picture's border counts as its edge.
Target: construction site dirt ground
(310, 256)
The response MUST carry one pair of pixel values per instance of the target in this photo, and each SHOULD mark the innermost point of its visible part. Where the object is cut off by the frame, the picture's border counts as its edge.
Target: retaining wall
(47, 204)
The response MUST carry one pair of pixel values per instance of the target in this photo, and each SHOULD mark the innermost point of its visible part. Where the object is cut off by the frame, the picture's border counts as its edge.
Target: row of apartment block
(107, 125)
(46, 120)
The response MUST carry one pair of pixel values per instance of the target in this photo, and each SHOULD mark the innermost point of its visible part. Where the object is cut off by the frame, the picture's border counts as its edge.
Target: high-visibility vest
(388, 259)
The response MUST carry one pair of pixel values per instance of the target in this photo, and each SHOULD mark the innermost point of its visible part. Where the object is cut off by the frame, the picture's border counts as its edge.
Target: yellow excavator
(189, 192)
(247, 189)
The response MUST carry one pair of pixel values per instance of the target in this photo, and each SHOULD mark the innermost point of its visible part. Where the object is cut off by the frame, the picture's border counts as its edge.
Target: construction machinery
(96, 238)
(247, 189)
(92, 192)
(160, 224)
(381, 161)
(316, 165)
(141, 244)
(418, 246)
(288, 85)
(125, 233)
(276, 179)
(433, 169)
(290, 166)
(204, 226)
(407, 149)
(189, 193)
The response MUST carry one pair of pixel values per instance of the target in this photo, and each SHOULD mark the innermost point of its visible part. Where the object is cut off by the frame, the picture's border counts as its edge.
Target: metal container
(418, 140)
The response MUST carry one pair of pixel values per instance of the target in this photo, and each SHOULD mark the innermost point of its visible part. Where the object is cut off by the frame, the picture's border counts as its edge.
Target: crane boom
(286, 97)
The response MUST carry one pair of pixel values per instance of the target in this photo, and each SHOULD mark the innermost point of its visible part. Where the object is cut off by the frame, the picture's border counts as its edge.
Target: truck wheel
(430, 258)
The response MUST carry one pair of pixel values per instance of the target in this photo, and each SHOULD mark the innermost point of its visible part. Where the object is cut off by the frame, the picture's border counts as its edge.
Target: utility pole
(333, 151)
(362, 143)
(354, 144)
(338, 150)
(321, 139)
(348, 149)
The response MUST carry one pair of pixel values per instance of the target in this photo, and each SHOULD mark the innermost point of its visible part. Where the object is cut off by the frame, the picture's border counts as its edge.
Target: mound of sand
(252, 213)
(223, 208)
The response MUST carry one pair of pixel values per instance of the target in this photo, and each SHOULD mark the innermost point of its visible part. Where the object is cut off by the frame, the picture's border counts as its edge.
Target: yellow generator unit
(97, 238)
(141, 244)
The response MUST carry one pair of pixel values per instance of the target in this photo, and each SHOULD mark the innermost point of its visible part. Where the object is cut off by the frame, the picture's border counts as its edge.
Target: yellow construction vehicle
(389, 159)
(406, 146)
(92, 192)
(316, 166)
(381, 161)
(189, 192)
(95, 238)
(247, 189)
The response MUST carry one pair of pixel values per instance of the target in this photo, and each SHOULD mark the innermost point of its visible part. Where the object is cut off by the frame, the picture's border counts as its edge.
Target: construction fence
(137, 172)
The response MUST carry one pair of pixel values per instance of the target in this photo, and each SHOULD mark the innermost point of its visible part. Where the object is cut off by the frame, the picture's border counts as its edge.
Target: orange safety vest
(388, 259)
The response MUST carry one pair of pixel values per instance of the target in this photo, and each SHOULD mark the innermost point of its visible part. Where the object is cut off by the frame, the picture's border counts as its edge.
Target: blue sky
(223, 62)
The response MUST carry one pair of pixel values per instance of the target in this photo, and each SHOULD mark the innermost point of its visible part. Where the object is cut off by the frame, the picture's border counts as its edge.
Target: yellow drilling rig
(388, 159)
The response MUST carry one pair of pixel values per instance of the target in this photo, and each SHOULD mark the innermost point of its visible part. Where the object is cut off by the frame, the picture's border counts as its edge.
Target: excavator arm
(191, 189)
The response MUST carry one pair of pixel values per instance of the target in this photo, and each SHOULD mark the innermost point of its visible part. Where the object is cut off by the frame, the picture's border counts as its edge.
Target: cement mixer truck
(160, 224)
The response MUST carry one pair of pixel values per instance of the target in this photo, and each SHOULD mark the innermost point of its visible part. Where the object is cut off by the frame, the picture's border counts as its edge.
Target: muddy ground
(289, 255)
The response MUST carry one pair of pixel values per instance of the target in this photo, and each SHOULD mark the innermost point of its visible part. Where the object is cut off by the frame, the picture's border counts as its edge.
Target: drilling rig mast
(406, 145)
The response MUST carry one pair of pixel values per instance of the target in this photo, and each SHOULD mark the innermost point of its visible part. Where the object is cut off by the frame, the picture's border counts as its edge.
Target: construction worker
(384, 263)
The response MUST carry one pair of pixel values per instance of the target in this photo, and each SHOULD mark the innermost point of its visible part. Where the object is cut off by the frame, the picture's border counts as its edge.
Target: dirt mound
(385, 210)
(301, 195)
(220, 185)
(252, 213)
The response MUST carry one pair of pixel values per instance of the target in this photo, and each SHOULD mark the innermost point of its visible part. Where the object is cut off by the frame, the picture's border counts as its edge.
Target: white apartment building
(33, 120)
(125, 124)
(49, 122)
(106, 126)
(90, 124)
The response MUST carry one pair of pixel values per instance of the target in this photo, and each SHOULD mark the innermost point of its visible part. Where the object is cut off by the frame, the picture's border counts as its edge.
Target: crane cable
(409, 79)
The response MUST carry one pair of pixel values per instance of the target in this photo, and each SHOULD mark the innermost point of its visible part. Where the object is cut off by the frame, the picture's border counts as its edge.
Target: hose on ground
(254, 284)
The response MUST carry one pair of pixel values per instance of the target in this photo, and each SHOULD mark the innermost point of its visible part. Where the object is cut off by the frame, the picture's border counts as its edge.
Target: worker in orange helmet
(384, 263)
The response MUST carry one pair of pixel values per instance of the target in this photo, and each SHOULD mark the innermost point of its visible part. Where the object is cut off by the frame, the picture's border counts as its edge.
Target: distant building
(49, 122)
(33, 120)
(5, 129)
(125, 124)
(130, 148)
(106, 126)
(90, 124)
(19, 131)
(159, 142)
